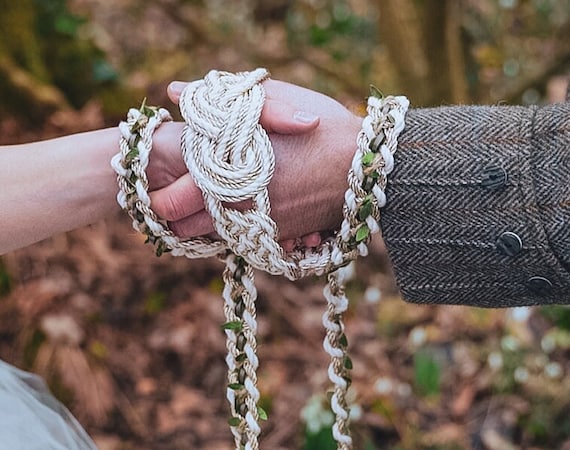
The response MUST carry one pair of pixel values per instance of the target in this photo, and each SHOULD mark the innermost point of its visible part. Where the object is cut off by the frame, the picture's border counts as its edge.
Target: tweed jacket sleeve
(478, 208)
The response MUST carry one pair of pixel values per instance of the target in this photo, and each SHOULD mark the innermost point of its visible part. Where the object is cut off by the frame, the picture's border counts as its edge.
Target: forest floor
(132, 343)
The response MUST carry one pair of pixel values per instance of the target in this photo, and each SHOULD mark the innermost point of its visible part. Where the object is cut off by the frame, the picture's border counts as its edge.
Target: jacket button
(539, 285)
(509, 244)
(494, 178)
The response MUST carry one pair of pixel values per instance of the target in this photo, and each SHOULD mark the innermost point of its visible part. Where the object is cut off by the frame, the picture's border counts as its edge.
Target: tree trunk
(423, 39)
(18, 39)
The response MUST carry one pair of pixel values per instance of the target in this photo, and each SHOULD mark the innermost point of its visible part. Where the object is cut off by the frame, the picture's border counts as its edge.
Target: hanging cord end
(222, 114)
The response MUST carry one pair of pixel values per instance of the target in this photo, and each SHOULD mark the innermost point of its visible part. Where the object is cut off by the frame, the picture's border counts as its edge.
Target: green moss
(5, 281)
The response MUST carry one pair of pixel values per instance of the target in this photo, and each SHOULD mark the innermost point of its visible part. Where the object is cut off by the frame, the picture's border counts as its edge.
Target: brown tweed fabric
(443, 223)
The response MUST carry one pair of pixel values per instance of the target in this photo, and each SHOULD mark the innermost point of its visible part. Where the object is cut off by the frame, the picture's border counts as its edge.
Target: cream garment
(33, 419)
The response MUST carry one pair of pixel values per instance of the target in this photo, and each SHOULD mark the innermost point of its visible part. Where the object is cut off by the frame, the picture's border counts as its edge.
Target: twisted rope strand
(231, 159)
(335, 345)
(372, 162)
(239, 308)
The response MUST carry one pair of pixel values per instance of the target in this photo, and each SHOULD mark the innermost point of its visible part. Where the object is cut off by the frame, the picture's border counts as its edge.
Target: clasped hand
(314, 139)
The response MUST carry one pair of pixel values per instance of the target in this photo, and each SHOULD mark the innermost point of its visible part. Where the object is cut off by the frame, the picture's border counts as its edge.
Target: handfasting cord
(231, 159)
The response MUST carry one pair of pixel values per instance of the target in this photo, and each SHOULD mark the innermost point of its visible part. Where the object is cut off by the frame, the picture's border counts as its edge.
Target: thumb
(282, 118)
(174, 90)
(276, 116)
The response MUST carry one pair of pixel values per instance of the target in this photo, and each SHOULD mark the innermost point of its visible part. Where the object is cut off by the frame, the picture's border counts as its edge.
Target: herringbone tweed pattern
(441, 222)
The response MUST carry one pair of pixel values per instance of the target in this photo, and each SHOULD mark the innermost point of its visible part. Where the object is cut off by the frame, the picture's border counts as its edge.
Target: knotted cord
(231, 159)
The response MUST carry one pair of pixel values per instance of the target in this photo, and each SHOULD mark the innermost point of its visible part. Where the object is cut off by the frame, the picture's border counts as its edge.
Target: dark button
(540, 285)
(509, 244)
(494, 178)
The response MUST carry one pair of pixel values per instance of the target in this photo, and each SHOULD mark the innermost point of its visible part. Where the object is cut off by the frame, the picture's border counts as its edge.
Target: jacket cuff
(478, 205)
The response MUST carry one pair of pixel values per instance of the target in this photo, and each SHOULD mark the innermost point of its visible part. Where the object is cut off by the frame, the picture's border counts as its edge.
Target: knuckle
(170, 207)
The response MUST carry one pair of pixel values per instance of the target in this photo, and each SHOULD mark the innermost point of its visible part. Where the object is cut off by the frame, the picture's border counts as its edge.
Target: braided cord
(367, 177)
(335, 344)
(241, 328)
(130, 165)
(231, 159)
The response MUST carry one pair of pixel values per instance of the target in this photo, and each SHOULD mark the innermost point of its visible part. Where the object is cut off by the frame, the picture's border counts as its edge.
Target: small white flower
(315, 416)
(520, 314)
(418, 336)
(495, 360)
(372, 294)
(553, 370)
(521, 375)
(510, 343)
(508, 4)
(384, 386)
(404, 390)
(548, 343)
(355, 412)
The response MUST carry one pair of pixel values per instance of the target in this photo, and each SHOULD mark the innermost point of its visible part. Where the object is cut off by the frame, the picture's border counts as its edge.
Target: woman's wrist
(55, 186)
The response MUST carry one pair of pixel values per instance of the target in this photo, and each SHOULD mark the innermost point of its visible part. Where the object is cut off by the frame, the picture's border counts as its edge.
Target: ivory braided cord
(239, 306)
(231, 159)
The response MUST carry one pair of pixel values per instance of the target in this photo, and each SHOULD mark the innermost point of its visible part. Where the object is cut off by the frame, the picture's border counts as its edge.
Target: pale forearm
(54, 186)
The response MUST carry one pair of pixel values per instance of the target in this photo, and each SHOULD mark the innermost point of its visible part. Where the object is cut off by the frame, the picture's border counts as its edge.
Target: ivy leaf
(261, 412)
(364, 211)
(368, 158)
(234, 421)
(362, 233)
(160, 248)
(236, 325)
(375, 92)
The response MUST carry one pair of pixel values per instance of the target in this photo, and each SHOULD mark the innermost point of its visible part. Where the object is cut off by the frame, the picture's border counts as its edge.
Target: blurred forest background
(132, 343)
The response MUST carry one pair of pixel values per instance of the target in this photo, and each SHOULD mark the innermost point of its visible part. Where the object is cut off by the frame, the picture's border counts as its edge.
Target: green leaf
(133, 153)
(155, 303)
(103, 71)
(319, 36)
(160, 248)
(235, 386)
(368, 158)
(5, 280)
(234, 421)
(369, 446)
(68, 24)
(236, 325)
(365, 210)
(322, 439)
(347, 363)
(560, 315)
(375, 92)
(427, 373)
(343, 340)
(262, 413)
(241, 357)
(362, 233)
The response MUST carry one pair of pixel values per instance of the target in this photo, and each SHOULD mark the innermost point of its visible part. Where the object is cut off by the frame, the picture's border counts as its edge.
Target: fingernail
(176, 87)
(304, 117)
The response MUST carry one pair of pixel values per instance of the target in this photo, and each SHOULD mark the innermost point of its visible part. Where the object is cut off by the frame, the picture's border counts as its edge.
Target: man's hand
(314, 139)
